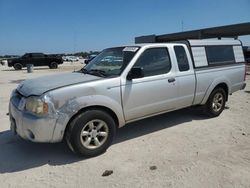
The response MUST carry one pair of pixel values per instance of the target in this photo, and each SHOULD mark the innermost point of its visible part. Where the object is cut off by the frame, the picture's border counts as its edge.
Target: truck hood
(13, 59)
(38, 86)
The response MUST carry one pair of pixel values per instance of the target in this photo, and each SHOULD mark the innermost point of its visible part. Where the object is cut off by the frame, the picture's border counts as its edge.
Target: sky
(67, 26)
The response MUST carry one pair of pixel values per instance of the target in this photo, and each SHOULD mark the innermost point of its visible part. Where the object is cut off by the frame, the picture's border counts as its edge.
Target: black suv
(37, 59)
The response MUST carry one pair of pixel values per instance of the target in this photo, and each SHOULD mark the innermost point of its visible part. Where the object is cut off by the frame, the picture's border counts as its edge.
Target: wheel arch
(94, 107)
(225, 87)
(222, 84)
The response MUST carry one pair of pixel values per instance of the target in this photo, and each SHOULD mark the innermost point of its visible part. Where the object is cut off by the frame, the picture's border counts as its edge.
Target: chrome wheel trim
(94, 134)
(217, 102)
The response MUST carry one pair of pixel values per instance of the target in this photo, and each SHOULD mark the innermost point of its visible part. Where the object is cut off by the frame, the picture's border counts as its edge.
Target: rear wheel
(53, 65)
(216, 102)
(18, 66)
(91, 133)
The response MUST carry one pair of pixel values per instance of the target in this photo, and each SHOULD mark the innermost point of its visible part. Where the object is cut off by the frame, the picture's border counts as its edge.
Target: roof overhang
(228, 31)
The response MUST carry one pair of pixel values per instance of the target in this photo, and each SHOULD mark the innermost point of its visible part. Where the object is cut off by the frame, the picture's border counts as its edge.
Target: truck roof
(197, 42)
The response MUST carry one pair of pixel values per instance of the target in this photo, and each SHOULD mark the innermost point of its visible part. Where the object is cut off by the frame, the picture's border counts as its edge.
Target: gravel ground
(177, 149)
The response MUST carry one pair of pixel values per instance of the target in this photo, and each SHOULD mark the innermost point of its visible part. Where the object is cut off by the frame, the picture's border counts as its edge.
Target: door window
(154, 61)
(37, 55)
(182, 59)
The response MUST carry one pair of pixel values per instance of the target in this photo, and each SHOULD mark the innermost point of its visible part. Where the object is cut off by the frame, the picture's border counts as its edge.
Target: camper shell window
(220, 55)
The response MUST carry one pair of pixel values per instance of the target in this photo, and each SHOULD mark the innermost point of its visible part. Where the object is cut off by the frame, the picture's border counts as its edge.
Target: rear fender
(213, 85)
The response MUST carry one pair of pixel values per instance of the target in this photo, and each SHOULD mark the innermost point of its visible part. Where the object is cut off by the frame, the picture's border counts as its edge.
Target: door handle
(171, 80)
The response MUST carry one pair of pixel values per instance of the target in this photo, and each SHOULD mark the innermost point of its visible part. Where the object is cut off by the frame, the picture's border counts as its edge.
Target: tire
(53, 65)
(18, 66)
(215, 103)
(91, 133)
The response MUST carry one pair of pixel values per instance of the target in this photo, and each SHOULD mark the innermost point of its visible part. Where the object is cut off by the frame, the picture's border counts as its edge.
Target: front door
(26, 59)
(154, 93)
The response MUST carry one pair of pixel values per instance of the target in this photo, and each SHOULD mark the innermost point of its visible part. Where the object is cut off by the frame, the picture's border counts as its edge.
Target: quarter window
(220, 54)
(37, 55)
(154, 61)
(181, 57)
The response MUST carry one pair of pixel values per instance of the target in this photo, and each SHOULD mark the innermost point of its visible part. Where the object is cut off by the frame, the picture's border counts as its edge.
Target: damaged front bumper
(31, 127)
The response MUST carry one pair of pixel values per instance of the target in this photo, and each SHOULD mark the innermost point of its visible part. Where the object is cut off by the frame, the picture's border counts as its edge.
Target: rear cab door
(185, 75)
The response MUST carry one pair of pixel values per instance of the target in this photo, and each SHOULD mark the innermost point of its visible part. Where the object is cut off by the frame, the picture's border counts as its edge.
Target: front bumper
(31, 127)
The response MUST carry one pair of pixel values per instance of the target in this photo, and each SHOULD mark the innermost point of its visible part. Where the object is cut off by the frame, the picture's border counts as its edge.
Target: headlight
(36, 105)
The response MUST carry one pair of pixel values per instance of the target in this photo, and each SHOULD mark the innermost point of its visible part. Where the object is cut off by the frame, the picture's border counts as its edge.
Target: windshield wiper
(95, 72)
(101, 73)
(85, 71)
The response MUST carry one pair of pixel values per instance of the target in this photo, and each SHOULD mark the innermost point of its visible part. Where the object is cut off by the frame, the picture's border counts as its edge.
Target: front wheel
(216, 102)
(91, 133)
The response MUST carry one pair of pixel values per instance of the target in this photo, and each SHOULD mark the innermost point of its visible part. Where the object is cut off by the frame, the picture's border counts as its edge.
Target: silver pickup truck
(125, 84)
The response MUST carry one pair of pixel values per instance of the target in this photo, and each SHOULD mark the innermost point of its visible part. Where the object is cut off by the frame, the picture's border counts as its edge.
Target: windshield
(110, 62)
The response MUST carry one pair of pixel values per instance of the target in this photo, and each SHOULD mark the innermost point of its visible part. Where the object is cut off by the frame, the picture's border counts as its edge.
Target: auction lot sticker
(130, 49)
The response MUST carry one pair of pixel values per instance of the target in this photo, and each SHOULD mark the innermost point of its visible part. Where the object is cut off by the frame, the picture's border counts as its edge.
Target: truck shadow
(18, 155)
(157, 123)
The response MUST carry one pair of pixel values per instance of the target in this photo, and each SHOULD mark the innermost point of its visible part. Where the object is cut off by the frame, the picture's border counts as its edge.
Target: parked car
(37, 59)
(70, 58)
(87, 107)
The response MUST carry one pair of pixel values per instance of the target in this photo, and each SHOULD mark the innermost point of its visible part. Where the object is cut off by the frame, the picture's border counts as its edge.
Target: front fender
(74, 105)
(100, 100)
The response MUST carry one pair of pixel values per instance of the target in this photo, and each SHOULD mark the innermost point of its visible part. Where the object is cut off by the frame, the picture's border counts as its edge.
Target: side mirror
(135, 72)
(86, 61)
